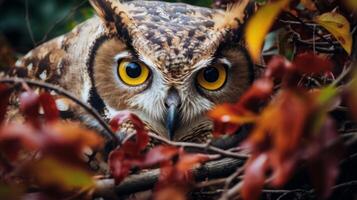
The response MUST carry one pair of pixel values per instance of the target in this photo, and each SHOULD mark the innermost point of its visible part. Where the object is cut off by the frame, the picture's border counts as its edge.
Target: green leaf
(327, 95)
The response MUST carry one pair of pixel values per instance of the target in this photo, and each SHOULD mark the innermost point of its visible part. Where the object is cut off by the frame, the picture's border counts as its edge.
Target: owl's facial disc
(171, 102)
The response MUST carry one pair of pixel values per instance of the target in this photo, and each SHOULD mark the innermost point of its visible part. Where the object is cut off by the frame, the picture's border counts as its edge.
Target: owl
(168, 63)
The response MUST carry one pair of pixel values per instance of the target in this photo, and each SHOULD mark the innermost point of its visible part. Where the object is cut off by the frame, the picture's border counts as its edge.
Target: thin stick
(341, 76)
(200, 146)
(304, 24)
(28, 24)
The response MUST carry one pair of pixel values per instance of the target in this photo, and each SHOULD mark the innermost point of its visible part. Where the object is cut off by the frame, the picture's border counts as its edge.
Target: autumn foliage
(289, 112)
(293, 127)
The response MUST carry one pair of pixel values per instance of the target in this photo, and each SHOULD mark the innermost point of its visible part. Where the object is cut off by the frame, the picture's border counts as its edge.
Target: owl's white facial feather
(149, 104)
(121, 55)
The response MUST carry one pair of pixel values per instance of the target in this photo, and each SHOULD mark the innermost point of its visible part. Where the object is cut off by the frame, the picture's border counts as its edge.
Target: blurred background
(27, 23)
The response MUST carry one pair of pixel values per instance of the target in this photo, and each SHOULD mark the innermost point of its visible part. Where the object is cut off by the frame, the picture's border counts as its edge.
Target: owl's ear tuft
(235, 15)
(112, 12)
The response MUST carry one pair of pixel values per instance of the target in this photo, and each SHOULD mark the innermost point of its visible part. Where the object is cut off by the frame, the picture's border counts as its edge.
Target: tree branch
(146, 180)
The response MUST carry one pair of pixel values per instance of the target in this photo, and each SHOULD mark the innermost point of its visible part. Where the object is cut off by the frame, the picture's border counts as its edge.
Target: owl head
(170, 63)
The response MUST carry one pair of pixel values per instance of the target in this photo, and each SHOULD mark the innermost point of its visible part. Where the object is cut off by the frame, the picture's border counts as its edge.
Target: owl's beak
(172, 102)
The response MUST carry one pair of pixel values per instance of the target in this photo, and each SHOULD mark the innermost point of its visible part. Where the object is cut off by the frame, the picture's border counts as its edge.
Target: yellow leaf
(51, 172)
(259, 25)
(339, 27)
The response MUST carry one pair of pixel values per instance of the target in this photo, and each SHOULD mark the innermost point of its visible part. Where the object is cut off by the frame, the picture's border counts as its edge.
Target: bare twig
(343, 75)
(233, 191)
(296, 22)
(28, 23)
(233, 176)
(310, 27)
(205, 147)
(209, 183)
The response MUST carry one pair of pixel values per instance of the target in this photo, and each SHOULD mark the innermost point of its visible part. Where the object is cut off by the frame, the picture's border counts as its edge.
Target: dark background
(46, 19)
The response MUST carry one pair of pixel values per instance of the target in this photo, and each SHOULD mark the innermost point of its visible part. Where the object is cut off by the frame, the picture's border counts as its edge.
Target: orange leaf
(67, 141)
(228, 113)
(171, 193)
(339, 27)
(258, 93)
(160, 154)
(259, 25)
(68, 132)
(278, 67)
(188, 161)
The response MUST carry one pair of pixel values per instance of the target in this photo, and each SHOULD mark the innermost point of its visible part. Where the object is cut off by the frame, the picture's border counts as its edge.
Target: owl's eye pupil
(211, 74)
(133, 70)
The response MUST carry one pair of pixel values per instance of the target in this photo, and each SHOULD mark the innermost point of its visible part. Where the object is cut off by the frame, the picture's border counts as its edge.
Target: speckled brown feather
(173, 36)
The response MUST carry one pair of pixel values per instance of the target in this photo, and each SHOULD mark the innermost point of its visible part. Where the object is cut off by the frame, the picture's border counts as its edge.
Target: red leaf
(283, 167)
(323, 158)
(293, 110)
(119, 167)
(223, 128)
(160, 154)
(122, 160)
(16, 137)
(142, 137)
(254, 177)
(5, 93)
(311, 63)
(171, 180)
(49, 107)
(260, 91)
(124, 116)
(129, 154)
(278, 67)
(171, 176)
(29, 105)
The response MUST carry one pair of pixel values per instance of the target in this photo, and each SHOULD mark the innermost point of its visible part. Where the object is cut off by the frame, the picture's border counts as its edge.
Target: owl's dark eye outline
(132, 73)
(212, 78)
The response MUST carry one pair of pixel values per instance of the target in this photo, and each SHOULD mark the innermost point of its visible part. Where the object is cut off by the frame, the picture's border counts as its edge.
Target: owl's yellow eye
(133, 73)
(212, 78)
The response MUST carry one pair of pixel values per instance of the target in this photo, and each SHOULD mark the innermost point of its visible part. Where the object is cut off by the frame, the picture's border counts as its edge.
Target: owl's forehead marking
(174, 35)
